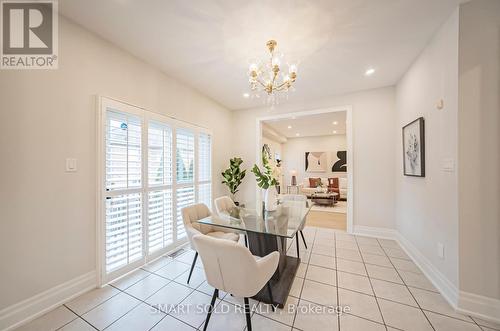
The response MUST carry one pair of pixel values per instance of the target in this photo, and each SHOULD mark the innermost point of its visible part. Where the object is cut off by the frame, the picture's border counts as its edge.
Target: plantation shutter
(205, 169)
(123, 239)
(185, 194)
(152, 167)
(160, 204)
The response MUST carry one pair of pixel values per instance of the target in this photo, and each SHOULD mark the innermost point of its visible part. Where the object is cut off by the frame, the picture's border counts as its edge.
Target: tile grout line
(79, 317)
(376, 296)
(371, 285)
(304, 279)
(404, 283)
(337, 281)
(166, 314)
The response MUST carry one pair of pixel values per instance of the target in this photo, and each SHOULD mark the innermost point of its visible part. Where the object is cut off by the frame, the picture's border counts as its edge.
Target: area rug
(339, 207)
(323, 219)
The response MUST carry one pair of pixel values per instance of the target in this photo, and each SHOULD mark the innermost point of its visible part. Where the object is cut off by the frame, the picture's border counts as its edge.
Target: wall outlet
(440, 250)
(71, 165)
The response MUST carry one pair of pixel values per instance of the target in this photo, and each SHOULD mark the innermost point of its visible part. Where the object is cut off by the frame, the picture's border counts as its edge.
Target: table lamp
(293, 173)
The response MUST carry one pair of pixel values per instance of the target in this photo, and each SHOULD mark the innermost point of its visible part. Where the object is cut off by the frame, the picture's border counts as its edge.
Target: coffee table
(327, 199)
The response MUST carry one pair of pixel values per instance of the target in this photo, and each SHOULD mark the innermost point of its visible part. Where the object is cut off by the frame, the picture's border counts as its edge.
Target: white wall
(294, 155)
(47, 233)
(426, 210)
(479, 148)
(374, 119)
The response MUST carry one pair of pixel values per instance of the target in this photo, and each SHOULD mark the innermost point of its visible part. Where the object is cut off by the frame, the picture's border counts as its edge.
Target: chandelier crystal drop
(268, 78)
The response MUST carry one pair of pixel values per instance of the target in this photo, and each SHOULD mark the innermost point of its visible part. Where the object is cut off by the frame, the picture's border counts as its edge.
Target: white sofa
(307, 190)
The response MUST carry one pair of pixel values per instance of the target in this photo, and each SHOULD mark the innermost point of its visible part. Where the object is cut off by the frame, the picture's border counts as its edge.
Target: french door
(150, 167)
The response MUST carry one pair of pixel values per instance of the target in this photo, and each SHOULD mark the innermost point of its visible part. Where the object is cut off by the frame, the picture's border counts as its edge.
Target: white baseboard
(370, 231)
(463, 302)
(31, 308)
(447, 289)
(479, 306)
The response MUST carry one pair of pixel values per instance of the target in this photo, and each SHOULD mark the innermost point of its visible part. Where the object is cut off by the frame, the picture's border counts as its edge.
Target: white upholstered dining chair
(231, 268)
(196, 212)
(297, 197)
(223, 205)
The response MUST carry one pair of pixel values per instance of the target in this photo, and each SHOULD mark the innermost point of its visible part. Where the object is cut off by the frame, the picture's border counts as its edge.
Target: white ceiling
(208, 44)
(308, 126)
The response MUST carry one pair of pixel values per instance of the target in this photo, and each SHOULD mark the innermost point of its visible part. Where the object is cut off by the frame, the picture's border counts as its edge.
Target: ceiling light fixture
(334, 132)
(297, 134)
(335, 123)
(267, 76)
(289, 126)
(369, 72)
(246, 95)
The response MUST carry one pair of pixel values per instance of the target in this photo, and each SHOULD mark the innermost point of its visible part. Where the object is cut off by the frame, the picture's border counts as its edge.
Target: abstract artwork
(414, 148)
(316, 162)
(340, 165)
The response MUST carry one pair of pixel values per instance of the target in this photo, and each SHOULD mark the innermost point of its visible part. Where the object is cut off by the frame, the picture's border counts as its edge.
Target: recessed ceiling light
(335, 122)
(297, 134)
(246, 95)
(369, 72)
(293, 117)
(334, 132)
(289, 126)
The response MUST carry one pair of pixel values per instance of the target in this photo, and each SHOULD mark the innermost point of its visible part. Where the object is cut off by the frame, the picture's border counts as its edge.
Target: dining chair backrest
(224, 204)
(295, 197)
(193, 213)
(231, 267)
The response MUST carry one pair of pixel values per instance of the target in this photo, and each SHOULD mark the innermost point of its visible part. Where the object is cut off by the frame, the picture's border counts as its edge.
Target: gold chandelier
(269, 77)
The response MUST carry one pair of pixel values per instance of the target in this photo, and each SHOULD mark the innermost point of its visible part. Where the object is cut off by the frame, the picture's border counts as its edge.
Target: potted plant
(233, 176)
(266, 180)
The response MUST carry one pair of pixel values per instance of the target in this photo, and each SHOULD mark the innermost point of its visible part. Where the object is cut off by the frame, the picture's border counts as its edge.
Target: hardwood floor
(327, 220)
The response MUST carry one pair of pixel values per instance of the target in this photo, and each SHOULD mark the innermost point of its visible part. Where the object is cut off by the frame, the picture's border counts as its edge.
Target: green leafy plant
(233, 176)
(265, 177)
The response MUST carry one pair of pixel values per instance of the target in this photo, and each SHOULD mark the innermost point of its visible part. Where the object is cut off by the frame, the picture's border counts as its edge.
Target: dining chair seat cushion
(224, 235)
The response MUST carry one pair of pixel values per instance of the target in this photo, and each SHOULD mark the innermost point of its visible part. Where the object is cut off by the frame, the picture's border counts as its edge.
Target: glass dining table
(268, 231)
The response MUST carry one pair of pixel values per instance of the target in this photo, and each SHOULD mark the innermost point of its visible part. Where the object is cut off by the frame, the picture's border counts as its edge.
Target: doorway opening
(312, 151)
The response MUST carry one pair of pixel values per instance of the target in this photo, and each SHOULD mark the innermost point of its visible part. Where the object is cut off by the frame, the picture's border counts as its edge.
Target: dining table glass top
(285, 221)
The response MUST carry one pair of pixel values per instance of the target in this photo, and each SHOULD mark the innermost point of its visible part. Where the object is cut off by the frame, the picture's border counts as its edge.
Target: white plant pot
(271, 199)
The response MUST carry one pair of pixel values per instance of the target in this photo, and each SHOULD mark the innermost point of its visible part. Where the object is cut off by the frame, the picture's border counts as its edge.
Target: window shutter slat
(185, 197)
(185, 156)
(204, 156)
(160, 224)
(123, 230)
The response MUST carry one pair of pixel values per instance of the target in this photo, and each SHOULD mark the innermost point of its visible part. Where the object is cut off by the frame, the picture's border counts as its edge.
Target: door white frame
(349, 134)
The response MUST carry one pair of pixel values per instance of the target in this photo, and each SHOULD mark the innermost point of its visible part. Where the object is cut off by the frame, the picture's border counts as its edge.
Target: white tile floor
(374, 278)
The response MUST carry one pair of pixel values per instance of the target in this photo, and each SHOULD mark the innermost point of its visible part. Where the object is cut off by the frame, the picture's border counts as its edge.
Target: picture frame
(414, 148)
(315, 161)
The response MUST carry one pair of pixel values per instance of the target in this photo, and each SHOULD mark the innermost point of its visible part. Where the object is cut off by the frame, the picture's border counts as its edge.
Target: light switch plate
(440, 250)
(71, 165)
(448, 165)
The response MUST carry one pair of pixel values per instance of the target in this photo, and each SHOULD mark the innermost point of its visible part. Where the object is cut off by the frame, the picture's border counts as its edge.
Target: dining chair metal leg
(270, 295)
(297, 244)
(246, 241)
(192, 266)
(303, 239)
(211, 308)
(247, 314)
